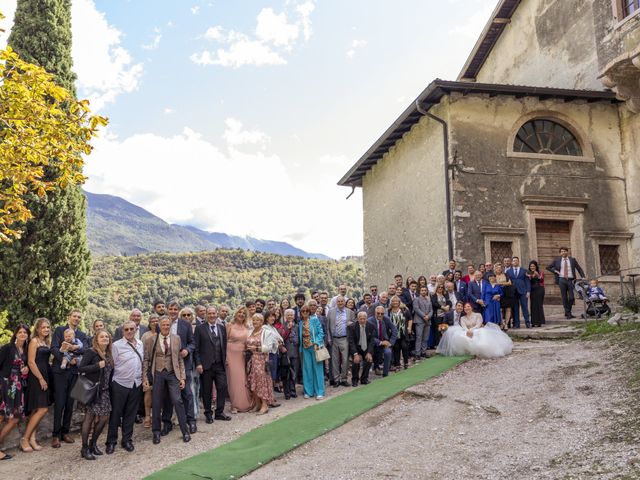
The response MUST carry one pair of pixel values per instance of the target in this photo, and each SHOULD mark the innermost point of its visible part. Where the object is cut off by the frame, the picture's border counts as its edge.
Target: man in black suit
(564, 268)
(452, 268)
(361, 335)
(182, 328)
(474, 293)
(64, 378)
(210, 357)
(385, 336)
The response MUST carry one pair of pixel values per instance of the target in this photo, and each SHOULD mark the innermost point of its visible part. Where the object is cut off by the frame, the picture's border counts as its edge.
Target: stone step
(548, 332)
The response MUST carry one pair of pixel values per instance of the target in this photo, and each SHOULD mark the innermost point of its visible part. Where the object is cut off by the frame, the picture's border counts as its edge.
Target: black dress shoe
(86, 453)
(186, 438)
(294, 395)
(344, 384)
(354, 384)
(193, 428)
(165, 430)
(156, 438)
(6, 457)
(138, 419)
(223, 417)
(110, 448)
(208, 418)
(365, 381)
(94, 449)
(128, 446)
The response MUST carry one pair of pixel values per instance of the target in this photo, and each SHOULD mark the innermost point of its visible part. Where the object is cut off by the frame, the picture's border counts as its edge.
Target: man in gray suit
(338, 319)
(422, 313)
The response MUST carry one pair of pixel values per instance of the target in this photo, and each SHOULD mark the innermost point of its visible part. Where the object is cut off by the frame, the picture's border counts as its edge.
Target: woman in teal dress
(311, 337)
(491, 296)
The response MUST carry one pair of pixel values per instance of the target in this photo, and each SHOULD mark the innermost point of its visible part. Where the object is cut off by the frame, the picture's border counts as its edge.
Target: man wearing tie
(210, 357)
(162, 359)
(522, 287)
(361, 335)
(384, 338)
(461, 286)
(564, 268)
(475, 291)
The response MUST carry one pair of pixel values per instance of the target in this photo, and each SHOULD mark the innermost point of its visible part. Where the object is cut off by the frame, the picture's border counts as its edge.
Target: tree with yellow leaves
(43, 133)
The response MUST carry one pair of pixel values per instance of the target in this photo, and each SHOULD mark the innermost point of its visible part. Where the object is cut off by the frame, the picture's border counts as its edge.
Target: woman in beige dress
(237, 333)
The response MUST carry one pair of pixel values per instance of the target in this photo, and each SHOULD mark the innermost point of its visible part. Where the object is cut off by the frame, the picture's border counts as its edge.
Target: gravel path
(542, 413)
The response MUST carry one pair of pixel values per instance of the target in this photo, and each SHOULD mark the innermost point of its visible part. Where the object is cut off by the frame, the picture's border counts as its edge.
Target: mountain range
(118, 227)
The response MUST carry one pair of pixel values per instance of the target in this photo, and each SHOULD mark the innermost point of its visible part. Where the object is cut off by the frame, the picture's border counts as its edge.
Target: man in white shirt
(126, 386)
(342, 292)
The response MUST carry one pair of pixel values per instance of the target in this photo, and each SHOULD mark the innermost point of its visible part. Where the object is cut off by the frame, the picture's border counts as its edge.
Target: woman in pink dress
(237, 334)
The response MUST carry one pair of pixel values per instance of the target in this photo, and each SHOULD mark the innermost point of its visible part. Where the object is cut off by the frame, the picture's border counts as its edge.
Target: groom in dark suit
(210, 356)
(522, 284)
(564, 268)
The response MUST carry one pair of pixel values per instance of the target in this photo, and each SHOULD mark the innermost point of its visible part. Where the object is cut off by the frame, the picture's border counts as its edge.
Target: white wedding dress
(486, 342)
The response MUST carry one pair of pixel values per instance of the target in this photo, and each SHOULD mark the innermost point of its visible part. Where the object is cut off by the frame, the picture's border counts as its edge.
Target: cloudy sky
(241, 116)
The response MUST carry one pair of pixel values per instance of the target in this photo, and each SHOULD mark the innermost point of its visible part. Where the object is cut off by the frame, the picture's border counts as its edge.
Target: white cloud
(235, 135)
(168, 110)
(355, 46)
(215, 33)
(208, 180)
(274, 28)
(104, 67)
(275, 34)
(155, 41)
(304, 10)
(242, 51)
(195, 9)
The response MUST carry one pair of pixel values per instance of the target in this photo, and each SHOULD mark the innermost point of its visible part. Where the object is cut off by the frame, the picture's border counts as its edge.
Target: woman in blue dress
(311, 338)
(491, 296)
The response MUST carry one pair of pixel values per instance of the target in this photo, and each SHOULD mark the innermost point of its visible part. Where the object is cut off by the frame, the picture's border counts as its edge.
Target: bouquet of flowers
(443, 327)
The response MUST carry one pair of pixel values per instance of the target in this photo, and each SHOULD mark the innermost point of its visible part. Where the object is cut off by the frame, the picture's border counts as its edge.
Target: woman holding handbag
(96, 366)
(311, 338)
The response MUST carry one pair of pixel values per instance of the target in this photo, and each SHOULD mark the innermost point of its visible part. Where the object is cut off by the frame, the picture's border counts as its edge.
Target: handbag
(322, 354)
(153, 352)
(84, 390)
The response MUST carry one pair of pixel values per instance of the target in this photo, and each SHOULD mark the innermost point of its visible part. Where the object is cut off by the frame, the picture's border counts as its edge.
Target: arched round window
(546, 137)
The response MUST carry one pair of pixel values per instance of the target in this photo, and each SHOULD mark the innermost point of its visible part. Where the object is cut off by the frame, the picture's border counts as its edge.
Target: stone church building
(534, 146)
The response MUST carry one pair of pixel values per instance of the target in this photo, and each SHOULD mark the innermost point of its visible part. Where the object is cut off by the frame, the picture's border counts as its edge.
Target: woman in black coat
(13, 382)
(441, 306)
(96, 365)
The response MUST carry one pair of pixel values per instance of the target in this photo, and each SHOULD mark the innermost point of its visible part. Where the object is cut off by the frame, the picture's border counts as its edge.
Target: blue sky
(241, 116)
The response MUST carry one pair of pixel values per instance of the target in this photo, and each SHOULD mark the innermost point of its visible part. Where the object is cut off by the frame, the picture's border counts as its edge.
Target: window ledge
(621, 23)
(544, 156)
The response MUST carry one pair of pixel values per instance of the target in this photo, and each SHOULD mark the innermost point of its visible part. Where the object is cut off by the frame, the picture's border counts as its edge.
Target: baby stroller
(593, 308)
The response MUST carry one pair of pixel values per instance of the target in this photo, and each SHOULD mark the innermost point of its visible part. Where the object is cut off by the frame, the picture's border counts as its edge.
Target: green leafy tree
(44, 273)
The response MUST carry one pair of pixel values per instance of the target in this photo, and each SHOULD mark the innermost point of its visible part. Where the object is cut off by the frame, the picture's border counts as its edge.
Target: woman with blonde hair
(237, 334)
(38, 382)
(260, 343)
(96, 365)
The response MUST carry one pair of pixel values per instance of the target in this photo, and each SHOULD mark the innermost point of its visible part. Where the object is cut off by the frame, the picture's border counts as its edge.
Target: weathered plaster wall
(489, 184)
(631, 163)
(404, 207)
(548, 43)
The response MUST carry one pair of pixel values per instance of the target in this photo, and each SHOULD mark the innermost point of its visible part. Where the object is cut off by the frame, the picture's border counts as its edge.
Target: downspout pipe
(447, 188)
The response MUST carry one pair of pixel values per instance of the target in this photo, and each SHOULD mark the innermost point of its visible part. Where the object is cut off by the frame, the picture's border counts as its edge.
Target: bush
(631, 302)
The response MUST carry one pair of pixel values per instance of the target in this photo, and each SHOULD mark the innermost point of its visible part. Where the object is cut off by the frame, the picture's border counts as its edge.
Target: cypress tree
(44, 273)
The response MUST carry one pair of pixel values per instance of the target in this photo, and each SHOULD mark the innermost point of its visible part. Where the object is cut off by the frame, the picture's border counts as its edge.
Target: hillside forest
(230, 277)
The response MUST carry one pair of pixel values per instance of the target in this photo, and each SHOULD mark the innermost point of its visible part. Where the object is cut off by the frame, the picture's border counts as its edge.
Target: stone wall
(404, 207)
(548, 43)
(490, 184)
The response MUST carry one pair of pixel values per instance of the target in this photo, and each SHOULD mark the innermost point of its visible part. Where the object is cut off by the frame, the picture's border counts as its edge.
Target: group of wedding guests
(185, 357)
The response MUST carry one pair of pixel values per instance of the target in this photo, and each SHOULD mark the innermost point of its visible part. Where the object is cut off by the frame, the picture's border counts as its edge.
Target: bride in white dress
(471, 338)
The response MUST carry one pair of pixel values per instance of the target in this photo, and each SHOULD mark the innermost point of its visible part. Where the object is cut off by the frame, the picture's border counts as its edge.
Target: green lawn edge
(261, 445)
